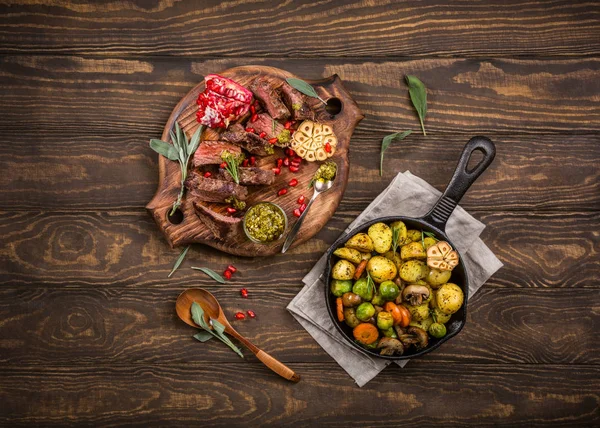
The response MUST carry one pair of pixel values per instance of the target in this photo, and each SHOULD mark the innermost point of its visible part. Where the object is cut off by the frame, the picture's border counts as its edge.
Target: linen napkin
(410, 196)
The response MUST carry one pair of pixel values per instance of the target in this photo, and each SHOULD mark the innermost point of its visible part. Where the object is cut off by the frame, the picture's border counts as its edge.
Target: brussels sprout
(384, 320)
(413, 270)
(343, 269)
(414, 250)
(389, 290)
(363, 289)
(418, 313)
(381, 235)
(349, 254)
(390, 332)
(350, 317)
(449, 298)
(437, 277)
(381, 269)
(441, 317)
(437, 330)
(361, 242)
(378, 299)
(422, 324)
(365, 311)
(340, 286)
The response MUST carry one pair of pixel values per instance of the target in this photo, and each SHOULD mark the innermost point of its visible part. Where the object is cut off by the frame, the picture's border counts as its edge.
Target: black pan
(434, 221)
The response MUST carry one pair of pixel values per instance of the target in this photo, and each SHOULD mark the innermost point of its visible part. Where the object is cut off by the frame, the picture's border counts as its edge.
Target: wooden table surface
(88, 331)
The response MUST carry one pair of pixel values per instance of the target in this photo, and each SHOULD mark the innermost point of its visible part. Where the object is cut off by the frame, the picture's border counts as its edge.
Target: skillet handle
(461, 180)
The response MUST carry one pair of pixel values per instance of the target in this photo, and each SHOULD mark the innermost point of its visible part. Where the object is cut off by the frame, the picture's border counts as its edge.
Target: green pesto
(264, 222)
(296, 106)
(236, 203)
(284, 137)
(326, 172)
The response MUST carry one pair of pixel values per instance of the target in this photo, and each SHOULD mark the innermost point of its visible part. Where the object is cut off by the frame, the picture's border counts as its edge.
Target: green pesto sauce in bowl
(326, 172)
(265, 222)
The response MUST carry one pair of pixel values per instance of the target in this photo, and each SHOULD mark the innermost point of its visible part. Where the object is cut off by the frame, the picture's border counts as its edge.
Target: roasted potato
(422, 324)
(400, 227)
(381, 235)
(395, 257)
(440, 316)
(349, 254)
(414, 250)
(428, 242)
(449, 298)
(361, 242)
(365, 256)
(418, 313)
(437, 277)
(413, 270)
(413, 235)
(381, 269)
(343, 269)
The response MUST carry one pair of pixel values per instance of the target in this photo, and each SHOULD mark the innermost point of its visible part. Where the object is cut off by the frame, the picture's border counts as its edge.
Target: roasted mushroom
(415, 294)
(415, 336)
(390, 346)
(441, 256)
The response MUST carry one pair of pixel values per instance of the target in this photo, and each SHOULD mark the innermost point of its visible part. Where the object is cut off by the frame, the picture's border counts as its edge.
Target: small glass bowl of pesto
(264, 222)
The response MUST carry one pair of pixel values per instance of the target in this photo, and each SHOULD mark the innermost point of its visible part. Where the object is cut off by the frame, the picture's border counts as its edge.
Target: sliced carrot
(340, 309)
(366, 333)
(393, 308)
(406, 317)
(360, 269)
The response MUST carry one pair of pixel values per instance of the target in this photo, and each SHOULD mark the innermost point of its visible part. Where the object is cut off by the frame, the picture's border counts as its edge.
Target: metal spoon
(320, 187)
(213, 310)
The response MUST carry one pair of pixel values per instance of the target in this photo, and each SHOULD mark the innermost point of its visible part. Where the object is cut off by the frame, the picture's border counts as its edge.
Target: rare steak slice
(211, 190)
(250, 176)
(209, 152)
(220, 225)
(266, 93)
(236, 134)
(272, 129)
(296, 102)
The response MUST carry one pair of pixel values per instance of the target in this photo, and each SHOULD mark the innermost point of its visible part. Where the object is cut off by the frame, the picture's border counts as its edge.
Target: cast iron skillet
(434, 221)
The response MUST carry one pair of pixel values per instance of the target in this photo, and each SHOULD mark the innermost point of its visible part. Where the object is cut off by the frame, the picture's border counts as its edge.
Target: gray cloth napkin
(410, 196)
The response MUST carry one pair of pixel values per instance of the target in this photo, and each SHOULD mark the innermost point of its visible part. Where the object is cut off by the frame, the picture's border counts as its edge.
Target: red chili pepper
(251, 314)
(245, 162)
(207, 174)
(282, 192)
(293, 182)
(251, 130)
(286, 161)
(232, 268)
(262, 134)
(279, 162)
(227, 274)
(231, 210)
(273, 140)
(223, 165)
(297, 212)
(244, 293)
(294, 168)
(252, 160)
(301, 200)
(253, 109)
(328, 147)
(239, 316)
(277, 171)
(287, 125)
(254, 117)
(302, 208)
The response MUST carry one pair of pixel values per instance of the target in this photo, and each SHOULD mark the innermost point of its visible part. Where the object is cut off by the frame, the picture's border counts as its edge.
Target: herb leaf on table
(418, 96)
(304, 87)
(385, 143)
(214, 275)
(217, 330)
(179, 260)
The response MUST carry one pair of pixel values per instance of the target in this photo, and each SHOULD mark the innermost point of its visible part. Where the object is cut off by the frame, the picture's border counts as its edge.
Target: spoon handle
(292, 235)
(272, 363)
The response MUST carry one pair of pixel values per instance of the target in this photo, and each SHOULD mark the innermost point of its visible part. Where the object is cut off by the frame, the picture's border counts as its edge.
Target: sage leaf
(179, 260)
(203, 336)
(385, 143)
(165, 149)
(305, 88)
(219, 328)
(195, 142)
(214, 275)
(418, 96)
(198, 316)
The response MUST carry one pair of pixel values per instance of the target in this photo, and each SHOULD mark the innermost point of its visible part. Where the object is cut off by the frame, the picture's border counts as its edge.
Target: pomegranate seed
(286, 161)
(244, 293)
(223, 165)
(239, 316)
(287, 125)
(296, 164)
(227, 274)
(251, 314)
(262, 134)
(293, 182)
(253, 109)
(231, 210)
(279, 162)
(277, 171)
(292, 132)
(297, 212)
(245, 163)
(291, 153)
(251, 130)
(302, 208)
(232, 268)
(273, 140)
(207, 174)
(328, 147)
(294, 168)
(301, 200)
(282, 192)
(252, 160)
(254, 117)
(297, 159)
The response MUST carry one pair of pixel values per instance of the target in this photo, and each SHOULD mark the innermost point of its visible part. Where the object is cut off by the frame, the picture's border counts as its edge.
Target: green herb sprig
(305, 88)
(395, 238)
(233, 164)
(181, 151)
(217, 329)
(429, 235)
(179, 260)
(418, 96)
(385, 143)
(370, 284)
(214, 275)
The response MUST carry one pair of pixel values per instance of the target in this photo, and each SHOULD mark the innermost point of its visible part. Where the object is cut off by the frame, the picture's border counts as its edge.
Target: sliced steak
(249, 176)
(209, 152)
(265, 123)
(220, 225)
(211, 190)
(266, 93)
(236, 134)
(296, 102)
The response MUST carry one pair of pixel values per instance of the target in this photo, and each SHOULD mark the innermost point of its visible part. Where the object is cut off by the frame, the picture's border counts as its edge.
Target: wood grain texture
(303, 29)
(184, 395)
(83, 326)
(539, 250)
(103, 96)
(192, 230)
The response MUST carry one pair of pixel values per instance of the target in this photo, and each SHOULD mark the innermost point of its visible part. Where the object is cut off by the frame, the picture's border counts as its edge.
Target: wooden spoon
(213, 310)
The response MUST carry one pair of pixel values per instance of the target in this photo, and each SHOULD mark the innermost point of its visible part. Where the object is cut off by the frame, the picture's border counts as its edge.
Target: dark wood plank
(81, 326)
(126, 250)
(100, 96)
(119, 172)
(303, 29)
(244, 394)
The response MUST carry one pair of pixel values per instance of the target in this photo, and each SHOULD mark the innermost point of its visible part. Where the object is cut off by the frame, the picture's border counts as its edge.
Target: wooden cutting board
(191, 230)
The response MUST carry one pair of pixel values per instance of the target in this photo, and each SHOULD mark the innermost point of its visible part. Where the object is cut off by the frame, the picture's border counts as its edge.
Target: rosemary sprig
(395, 238)
(370, 284)
(429, 235)
(233, 164)
(217, 329)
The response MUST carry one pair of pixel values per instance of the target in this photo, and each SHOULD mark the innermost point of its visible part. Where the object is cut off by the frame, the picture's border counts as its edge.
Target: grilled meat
(209, 152)
(273, 129)
(296, 102)
(211, 190)
(220, 225)
(249, 176)
(248, 140)
(266, 93)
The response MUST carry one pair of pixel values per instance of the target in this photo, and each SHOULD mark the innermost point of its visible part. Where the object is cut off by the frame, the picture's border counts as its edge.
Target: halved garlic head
(314, 141)
(441, 256)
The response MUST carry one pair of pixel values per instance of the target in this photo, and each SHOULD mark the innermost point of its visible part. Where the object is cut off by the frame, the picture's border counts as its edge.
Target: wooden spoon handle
(277, 366)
